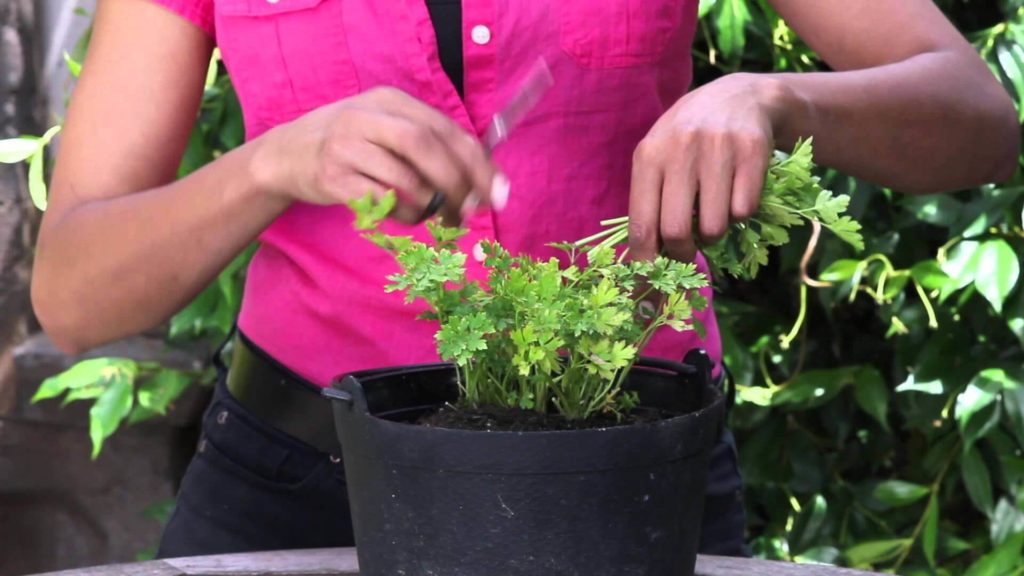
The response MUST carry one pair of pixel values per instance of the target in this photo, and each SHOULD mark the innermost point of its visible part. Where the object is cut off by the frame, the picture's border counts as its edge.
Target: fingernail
(470, 204)
(499, 191)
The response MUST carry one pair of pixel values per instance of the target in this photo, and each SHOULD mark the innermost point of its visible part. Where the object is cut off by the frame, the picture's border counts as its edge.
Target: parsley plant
(539, 335)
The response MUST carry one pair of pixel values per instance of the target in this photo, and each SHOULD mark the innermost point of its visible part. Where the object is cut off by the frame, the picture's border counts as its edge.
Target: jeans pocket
(236, 441)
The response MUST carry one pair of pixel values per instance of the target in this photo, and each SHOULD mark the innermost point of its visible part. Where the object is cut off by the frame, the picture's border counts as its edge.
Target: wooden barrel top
(342, 562)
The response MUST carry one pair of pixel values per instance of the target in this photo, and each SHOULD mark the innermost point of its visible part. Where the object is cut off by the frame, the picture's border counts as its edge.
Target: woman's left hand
(702, 166)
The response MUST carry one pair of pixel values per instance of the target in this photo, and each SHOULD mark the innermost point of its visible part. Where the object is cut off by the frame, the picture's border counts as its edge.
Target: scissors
(537, 82)
(533, 87)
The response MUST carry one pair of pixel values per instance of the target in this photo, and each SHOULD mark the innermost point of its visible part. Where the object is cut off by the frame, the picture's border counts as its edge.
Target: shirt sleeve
(198, 12)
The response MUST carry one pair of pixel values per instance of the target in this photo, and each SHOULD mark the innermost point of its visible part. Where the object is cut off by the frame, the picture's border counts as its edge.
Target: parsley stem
(599, 235)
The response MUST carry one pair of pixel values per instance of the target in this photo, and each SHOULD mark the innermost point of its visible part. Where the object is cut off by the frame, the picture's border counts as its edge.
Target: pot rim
(352, 384)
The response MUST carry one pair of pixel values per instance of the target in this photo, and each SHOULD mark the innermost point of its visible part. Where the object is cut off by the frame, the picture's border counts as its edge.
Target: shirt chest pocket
(623, 33)
(285, 57)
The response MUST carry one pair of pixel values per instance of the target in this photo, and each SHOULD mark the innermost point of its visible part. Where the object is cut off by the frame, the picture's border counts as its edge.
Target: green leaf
(14, 150)
(950, 545)
(88, 392)
(975, 406)
(815, 516)
(930, 532)
(82, 374)
(840, 270)
(872, 395)
(819, 555)
(980, 425)
(74, 66)
(1000, 562)
(370, 210)
(1014, 315)
(140, 414)
(961, 265)
(211, 69)
(731, 18)
(758, 395)
(898, 493)
(191, 321)
(1007, 520)
(977, 480)
(47, 136)
(876, 551)
(938, 209)
(705, 7)
(815, 387)
(109, 410)
(1012, 69)
(158, 392)
(36, 181)
(929, 275)
(1013, 408)
(998, 269)
(932, 387)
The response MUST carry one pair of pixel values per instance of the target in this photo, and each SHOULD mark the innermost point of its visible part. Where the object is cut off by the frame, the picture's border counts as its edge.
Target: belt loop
(218, 354)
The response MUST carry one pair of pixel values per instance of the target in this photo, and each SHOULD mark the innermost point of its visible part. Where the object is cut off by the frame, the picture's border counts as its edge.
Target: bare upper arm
(134, 105)
(865, 33)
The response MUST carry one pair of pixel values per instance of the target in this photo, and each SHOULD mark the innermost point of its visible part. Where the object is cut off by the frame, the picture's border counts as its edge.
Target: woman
(345, 96)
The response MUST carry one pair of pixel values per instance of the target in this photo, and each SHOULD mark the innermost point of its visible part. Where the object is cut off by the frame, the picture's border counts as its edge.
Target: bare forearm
(934, 122)
(117, 266)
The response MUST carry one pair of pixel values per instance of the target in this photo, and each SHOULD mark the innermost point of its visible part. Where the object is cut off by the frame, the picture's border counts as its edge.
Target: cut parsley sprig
(792, 195)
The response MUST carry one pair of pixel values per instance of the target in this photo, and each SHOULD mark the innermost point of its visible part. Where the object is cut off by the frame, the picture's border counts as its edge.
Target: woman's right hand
(378, 140)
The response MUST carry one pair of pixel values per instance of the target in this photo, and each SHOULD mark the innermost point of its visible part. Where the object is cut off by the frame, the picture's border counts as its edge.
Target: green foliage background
(885, 428)
(888, 434)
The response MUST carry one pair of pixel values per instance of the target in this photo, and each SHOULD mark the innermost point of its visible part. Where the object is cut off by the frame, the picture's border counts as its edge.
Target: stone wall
(58, 508)
(20, 112)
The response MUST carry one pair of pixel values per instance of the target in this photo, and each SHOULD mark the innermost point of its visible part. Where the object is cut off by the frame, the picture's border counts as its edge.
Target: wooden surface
(342, 562)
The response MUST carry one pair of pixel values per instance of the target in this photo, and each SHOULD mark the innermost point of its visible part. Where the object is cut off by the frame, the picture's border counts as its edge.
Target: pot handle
(335, 394)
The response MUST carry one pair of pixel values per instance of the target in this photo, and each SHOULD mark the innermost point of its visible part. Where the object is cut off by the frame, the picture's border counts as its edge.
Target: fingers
(748, 182)
(692, 178)
(678, 198)
(476, 172)
(716, 178)
(380, 165)
(645, 203)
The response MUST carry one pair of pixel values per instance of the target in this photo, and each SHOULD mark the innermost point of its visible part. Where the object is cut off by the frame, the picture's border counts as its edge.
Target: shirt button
(480, 34)
(478, 252)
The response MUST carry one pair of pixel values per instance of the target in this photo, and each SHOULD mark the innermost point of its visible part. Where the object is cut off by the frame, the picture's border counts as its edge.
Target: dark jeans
(250, 487)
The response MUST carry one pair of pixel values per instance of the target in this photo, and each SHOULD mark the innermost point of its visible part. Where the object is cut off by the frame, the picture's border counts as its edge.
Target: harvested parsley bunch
(540, 336)
(791, 195)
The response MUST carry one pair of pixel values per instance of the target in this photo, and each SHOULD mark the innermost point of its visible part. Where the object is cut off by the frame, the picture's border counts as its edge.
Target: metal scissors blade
(533, 88)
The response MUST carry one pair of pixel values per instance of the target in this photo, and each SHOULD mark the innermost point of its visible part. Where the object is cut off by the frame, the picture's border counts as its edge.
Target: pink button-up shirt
(314, 296)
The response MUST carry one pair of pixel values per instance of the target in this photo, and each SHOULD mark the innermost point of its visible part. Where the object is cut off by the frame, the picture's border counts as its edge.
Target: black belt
(280, 397)
(288, 402)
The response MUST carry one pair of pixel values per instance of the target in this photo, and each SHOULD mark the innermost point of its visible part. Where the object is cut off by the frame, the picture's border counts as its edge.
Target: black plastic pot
(619, 501)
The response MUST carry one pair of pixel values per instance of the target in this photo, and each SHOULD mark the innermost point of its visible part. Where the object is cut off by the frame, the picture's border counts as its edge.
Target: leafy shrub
(887, 432)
